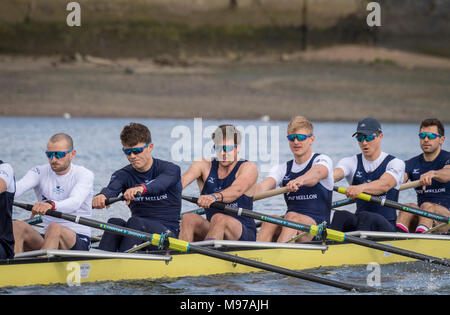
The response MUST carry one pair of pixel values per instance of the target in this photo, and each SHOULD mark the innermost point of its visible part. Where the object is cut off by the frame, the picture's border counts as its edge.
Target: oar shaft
(396, 205)
(315, 230)
(277, 269)
(343, 202)
(176, 244)
(183, 246)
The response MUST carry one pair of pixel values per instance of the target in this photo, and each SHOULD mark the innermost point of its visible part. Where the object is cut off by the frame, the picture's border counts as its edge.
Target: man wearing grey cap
(373, 172)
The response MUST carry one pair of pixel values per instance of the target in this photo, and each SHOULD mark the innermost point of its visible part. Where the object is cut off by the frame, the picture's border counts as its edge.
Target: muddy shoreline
(342, 83)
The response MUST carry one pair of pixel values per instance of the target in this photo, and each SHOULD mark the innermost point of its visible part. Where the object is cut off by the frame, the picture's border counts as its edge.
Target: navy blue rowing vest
(163, 203)
(361, 177)
(438, 193)
(213, 184)
(6, 229)
(315, 202)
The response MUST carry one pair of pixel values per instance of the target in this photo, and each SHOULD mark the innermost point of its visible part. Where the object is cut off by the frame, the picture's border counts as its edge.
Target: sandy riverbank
(342, 83)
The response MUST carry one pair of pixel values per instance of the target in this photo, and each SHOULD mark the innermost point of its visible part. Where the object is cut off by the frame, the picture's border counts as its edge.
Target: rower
(308, 178)
(59, 185)
(432, 168)
(227, 179)
(151, 186)
(373, 172)
(7, 190)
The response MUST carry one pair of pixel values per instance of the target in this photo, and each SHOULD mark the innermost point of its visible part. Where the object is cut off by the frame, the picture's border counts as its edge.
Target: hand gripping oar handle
(283, 190)
(316, 230)
(396, 205)
(183, 246)
(110, 201)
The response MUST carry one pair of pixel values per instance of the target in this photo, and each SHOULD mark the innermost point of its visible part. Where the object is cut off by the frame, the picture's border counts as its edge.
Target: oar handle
(283, 190)
(270, 193)
(409, 185)
(23, 205)
(112, 200)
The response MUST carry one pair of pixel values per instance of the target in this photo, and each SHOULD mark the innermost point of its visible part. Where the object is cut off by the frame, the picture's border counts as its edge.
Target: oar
(317, 230)
(183, 246)
(283, 190)
(343, 202)
(34, 221)
(396, 205)
(112, 200)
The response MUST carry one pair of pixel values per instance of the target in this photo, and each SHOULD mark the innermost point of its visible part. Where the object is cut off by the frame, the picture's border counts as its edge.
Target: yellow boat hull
(78, 271)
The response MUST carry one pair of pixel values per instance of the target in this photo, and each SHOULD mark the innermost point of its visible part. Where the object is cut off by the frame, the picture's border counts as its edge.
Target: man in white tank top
(58, 185)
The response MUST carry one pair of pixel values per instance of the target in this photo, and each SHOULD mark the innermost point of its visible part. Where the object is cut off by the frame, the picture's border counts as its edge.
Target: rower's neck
(225, 170)
(373, 156)
(64, 172)
(430, 157)
(300, 159)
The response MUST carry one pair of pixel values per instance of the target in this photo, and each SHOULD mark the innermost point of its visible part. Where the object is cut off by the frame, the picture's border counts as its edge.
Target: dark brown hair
(226, 132)
(433, 122)
(135, 133)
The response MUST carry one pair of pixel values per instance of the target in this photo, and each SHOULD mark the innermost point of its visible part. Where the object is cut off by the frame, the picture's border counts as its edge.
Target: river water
(98, 146)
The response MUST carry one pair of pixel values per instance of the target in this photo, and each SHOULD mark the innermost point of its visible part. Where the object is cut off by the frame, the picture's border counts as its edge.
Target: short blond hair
(299, 122)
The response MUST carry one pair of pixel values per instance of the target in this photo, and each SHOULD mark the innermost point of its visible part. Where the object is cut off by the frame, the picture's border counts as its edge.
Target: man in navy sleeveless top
(227, 179)
(373, 172)
(432, 168)
(7, 190)
(158, 208)
(309, 180)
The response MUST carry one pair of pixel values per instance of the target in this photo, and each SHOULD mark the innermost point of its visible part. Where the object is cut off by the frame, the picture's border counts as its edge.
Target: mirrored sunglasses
(57, 154)
(135, 150)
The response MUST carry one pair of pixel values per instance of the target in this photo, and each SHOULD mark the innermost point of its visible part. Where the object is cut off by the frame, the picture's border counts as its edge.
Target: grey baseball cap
(368, 126)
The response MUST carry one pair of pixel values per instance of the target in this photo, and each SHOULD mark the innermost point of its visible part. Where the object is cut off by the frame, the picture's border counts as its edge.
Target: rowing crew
(152, 188)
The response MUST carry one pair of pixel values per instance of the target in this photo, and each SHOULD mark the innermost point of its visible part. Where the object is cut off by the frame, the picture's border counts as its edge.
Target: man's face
(428, 145)
(227, 153)
(140, 161)
(62, 164)
(299, 148)
(369, 148)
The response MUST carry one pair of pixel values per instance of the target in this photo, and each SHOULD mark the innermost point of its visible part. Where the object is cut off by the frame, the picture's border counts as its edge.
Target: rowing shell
(69, 267)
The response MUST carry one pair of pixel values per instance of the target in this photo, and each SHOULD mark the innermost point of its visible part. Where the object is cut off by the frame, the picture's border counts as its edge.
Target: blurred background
(226, 59)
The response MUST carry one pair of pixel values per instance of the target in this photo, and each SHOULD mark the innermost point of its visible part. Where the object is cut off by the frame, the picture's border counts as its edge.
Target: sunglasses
(299, 137)
(367, 138)
(225, 148)
(57, 154)
(430, 135)
(135, 150)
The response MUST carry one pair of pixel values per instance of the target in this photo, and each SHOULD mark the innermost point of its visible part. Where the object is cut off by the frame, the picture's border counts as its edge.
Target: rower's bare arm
(314, 175)
(244, 183)
(443, 175)
(194, 172)
(379, 186)
(266, 184)
(338, 174)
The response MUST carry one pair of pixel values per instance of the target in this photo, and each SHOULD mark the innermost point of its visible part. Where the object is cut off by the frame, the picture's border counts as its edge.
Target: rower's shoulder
(248, 166)
(41, 169)
(445, 154)
(166, 165)
(82, 171)
(203, 163)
